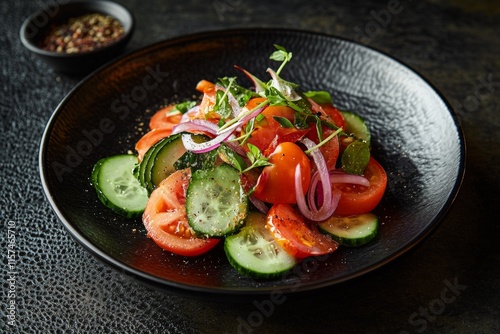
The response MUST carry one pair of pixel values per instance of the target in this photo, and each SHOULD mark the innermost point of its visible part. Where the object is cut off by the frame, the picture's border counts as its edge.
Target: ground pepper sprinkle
(83, 34)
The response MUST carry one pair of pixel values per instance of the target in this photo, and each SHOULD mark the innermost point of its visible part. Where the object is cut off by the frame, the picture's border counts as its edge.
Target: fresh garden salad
(274, 173)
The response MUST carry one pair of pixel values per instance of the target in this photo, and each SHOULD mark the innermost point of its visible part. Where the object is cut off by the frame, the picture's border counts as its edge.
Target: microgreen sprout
(281, 54)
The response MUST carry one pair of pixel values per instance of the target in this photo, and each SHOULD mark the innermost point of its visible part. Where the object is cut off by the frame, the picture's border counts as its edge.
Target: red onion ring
(240, 122)
(191, 112)
(259, 205)
(330, 200)
(196, 125)
(341, 177)
(207, 146)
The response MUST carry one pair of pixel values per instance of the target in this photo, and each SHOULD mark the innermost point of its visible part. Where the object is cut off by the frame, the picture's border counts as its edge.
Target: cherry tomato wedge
(276, 184)
(163, 120)
(356, 199)
(294, 235)
(166, 221)
(334, 114)
(268, 133)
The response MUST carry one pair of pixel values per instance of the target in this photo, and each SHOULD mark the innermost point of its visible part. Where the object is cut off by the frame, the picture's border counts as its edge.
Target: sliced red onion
(245, 118)
(196, 125)
(235, 146)
(328, 207)
(212, 144)
(260, 87)
(315, 193)
(191, 112)
(329, 200)
(261, 206)
(341, 177)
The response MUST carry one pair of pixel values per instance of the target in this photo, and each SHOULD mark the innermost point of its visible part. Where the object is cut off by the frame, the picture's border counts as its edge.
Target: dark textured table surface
(449, 284)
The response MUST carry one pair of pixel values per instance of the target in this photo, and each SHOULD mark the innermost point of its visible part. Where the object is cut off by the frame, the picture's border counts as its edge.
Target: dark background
(62, 288)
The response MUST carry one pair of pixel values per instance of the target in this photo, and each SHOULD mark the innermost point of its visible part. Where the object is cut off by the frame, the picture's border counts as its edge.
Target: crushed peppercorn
(83, 34)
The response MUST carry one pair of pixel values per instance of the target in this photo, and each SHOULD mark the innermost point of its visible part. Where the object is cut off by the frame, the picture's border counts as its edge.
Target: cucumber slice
(161, 164)
(158, 162)
(355, 125)
(117, 187)
(170, 144)
(216, 204)
(352, 230)
(144, 163)
(254, 252)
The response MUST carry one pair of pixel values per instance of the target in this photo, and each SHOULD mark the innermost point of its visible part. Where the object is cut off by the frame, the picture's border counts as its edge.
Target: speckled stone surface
(450, 283)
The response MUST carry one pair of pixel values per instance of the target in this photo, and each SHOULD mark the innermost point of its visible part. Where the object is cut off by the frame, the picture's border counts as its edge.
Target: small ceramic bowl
(38, 25)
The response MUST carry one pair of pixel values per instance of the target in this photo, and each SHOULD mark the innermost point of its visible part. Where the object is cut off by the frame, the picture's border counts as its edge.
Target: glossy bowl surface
(415, 136)
(37, 26)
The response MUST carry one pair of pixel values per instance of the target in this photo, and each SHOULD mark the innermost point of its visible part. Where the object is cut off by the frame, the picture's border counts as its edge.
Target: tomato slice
(268, 133)
(334, 114)
(163, 120)
(356, 199)
(166, 221)
(294, 235)
(276, 183)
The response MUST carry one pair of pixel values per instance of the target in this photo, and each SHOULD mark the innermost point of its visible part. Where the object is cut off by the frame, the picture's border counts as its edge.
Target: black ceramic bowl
(37, 26)
(415, 136)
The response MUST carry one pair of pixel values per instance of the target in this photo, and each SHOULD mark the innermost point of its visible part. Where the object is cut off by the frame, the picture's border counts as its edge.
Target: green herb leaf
(319, 129)
(222, 106)
(183, 107)
(320, 97)
(275, 97)
(240, 93)
(256, 158)
(231, 157)
(284, 122)
(281, 54)
(355, 157)
(286, 88)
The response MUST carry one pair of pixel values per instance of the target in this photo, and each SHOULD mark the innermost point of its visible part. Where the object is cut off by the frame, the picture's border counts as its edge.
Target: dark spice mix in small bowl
(83, 34)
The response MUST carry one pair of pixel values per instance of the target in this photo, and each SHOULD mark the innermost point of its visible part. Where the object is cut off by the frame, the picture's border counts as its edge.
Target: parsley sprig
(257, 159)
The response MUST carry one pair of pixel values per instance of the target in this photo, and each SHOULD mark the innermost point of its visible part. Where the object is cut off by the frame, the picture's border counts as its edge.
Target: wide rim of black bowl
(235, 294)
(69, 9)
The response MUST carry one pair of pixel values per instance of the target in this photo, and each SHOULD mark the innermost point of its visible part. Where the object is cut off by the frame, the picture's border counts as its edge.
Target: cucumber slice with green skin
(355, 125)
(144, 163)
(161, 163)
(158, 162)
(150, 159)
(216, 204)
(254, 252)
(352, 230)
(117, 187)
